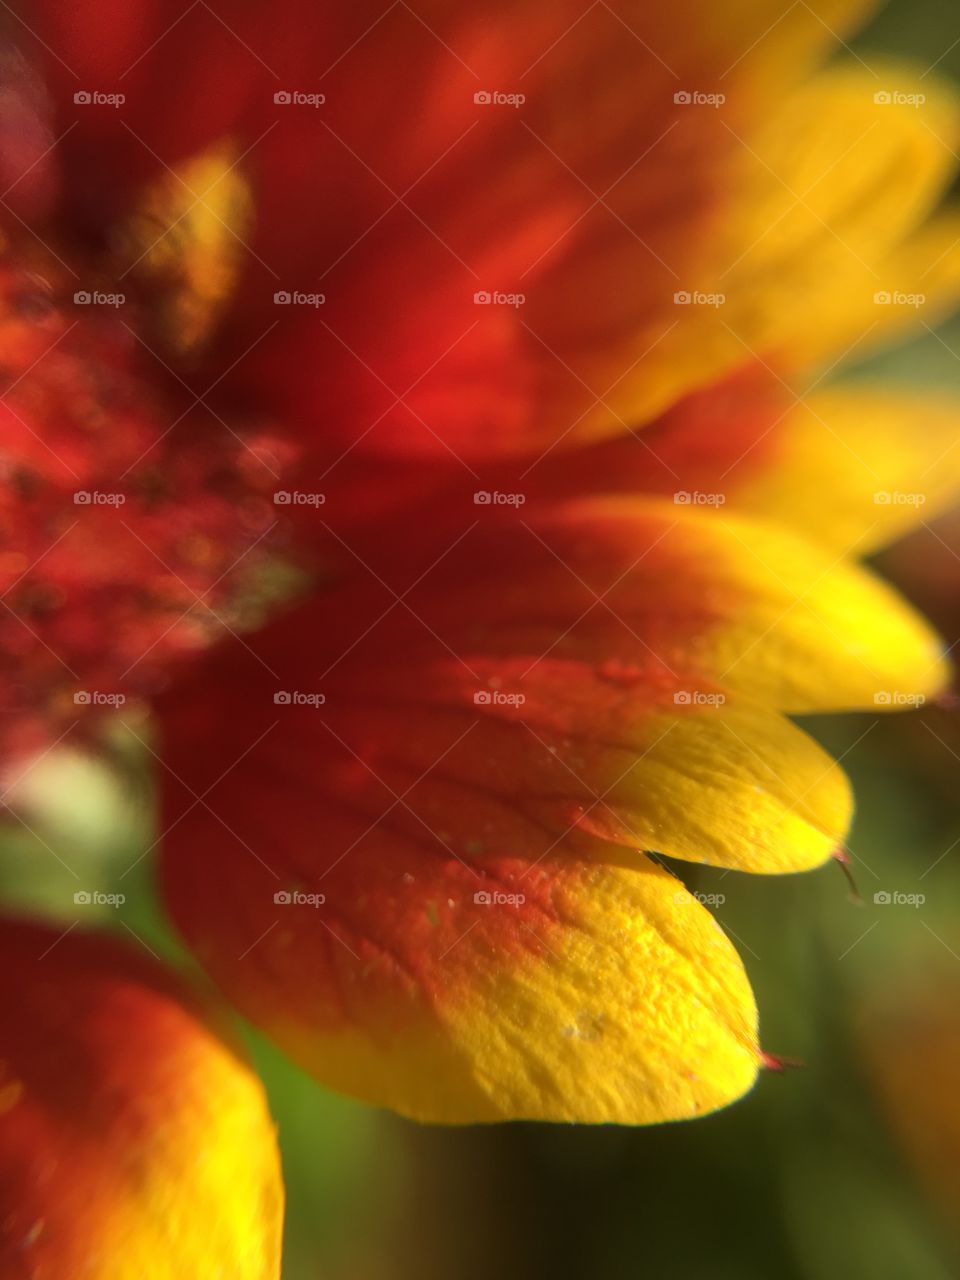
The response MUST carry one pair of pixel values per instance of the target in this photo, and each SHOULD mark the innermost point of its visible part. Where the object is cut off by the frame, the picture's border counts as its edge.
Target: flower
(135, 1140)
(437, 452)
(917, 1011)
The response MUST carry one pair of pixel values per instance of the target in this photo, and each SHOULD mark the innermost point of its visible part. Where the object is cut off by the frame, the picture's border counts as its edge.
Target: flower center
(134, 510)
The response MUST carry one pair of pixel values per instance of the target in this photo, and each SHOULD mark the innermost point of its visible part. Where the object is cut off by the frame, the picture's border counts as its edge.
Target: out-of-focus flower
(134, 1140)
(519, 315)
(909, 1037)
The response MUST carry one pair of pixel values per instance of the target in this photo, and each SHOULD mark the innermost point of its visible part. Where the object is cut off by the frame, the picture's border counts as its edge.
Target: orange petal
(395, 893)
(134, 1143)
(684, 589)
(407, 871)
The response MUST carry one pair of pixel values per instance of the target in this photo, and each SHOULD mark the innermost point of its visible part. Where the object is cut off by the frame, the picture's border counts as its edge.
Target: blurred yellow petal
(910, 291)
(135, 1143)
(186, 239)
(852, 466)
(892, 456)
(814, 225)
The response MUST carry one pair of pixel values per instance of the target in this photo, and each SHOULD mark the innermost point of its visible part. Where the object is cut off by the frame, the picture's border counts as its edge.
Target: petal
(601, 177)
(349, 798)
(186, 240)
(133, 1140)
(606, 175)
(853, 466)
(346, 836)
(696, 594)
(453, 979)
(917, 284)
(616, 752)
(331, 809)
(823, 201)
(620, 753)
(890, 454)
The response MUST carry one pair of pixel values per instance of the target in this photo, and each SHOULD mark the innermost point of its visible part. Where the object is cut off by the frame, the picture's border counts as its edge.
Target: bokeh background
(849, 1166)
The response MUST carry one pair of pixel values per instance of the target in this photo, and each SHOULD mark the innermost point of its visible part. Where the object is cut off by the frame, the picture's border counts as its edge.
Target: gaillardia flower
(429, 412)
